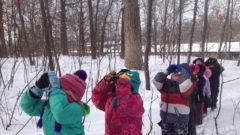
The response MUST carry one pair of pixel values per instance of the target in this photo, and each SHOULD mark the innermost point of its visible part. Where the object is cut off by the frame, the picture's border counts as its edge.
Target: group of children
(189, 92)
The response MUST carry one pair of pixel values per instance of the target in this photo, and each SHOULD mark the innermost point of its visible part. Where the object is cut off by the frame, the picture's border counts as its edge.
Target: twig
(23, 126)
(15, 105)
(231, 80)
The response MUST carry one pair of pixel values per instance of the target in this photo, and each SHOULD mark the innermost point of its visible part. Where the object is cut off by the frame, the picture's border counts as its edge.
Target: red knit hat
(73, 86)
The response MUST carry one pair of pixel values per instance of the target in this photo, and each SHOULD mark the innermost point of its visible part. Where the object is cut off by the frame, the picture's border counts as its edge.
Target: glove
(111, 77)
(36, 92)
(43, 81)
(179, 68)
(53, 79)
(172, 68)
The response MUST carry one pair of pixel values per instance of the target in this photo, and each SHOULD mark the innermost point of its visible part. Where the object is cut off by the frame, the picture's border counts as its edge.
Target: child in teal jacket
(62, 112)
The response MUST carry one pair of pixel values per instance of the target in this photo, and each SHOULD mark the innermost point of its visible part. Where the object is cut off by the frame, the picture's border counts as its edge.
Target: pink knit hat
(73, 86)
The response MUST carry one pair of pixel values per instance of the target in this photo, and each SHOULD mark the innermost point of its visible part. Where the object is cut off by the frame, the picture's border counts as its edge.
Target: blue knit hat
(81, 74)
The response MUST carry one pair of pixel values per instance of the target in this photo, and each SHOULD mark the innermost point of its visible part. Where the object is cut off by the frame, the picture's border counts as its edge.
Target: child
(216, 69)
(117, 95)
(61, 113)
(174, 99)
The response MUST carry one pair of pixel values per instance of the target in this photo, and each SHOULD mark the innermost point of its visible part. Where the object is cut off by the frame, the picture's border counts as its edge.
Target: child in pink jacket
(117, 95)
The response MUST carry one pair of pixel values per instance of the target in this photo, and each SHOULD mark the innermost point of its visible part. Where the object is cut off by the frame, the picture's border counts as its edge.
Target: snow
(94, 123)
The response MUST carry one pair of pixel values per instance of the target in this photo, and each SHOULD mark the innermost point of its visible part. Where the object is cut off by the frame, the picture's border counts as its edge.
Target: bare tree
(3, 48)
(165, 29)
(122, 55)
(104, 26)
(64, 45)
(46, 33)
(148, 45)
(224, 29)
(192, 31)
(24, 33)
(132, 32)
(92, 32)
(179, 30)
(204, 34)
(81, 31)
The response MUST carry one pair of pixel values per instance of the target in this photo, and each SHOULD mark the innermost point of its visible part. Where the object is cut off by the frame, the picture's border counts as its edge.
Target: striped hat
(73, 86)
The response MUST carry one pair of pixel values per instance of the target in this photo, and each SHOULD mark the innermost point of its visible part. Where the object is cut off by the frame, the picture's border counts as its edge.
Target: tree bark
(132, 31)
(165, 29)
(148, 45)
(179, 31)
(223, 30)
(92, 32)
(24, 33)
(81, 31)
(204, 34)
(192, 31)
(46, 34)
(64, 42)
(122, 55)
(3, 48)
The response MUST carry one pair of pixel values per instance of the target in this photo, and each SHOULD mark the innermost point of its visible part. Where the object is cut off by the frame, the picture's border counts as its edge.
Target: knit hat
(133, 78)
(198, 59)
(81, 74)
(73, 86)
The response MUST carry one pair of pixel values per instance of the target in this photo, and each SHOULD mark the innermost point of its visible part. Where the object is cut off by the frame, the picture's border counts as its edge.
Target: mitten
(53, 79)
(172, 68)
(43, 81)
(37, 92)
(179, 68)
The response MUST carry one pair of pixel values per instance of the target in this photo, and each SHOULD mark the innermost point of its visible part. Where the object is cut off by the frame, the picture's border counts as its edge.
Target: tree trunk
(223, 30)
(179, 31)
(64, 42)
(3, 48)
(24, 33)
(104, 27)
(231, 27)
(148, 45)
(132, 31)
(192, 31)
(46, 34)
(122, 55)
(165, 29)
(81, 31)
(204, 34)
(92, 32)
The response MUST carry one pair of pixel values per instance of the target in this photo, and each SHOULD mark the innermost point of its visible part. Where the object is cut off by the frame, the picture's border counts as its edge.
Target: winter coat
(174, 97)
(69, 115)
(206, 88)
(215, 78)
(123, 109)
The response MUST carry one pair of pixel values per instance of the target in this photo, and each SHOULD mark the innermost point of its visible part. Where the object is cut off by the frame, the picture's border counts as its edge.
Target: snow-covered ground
(228, 121)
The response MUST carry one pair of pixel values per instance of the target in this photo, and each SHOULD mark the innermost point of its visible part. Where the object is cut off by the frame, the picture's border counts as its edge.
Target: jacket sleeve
(101, 93)
(207, 89)
(63, 111)
(30, 104)
(159, 80)
(185, 83)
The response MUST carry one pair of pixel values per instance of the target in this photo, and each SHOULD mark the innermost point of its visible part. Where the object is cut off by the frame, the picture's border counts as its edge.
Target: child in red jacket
(118, 96)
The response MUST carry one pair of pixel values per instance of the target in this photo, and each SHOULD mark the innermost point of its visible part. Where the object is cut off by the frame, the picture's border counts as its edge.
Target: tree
(25, 33)
(224, 29)
(92, 31)
(64, 45)
(132, 32)
(179, 31)
(204, 34)
(104, 26)
(3, 48)
(122, 55)
(148, 45)
(81, 31)
(192, 31)
(46, 34)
